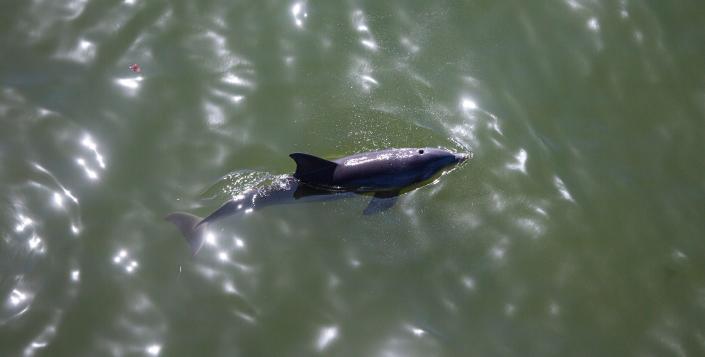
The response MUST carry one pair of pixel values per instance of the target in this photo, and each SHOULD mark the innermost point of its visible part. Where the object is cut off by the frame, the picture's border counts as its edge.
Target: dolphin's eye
(420, 151)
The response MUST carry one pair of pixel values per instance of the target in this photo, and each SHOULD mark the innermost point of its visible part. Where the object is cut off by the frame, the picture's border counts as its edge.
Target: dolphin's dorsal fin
(313, 170)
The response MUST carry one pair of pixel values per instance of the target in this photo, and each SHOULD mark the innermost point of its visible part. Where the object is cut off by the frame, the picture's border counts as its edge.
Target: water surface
(577, 229)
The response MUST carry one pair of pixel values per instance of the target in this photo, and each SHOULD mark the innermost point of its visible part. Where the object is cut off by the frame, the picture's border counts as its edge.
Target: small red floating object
(135, 68)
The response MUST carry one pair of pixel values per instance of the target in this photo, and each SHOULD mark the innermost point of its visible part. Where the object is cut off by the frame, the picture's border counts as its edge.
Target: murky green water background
(577, 230)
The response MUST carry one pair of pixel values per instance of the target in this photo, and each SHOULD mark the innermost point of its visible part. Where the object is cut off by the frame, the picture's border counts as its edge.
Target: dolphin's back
(378, 170)
(370, 171)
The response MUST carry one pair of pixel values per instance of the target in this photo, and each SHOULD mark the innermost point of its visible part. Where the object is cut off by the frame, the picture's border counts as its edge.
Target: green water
(576, 230)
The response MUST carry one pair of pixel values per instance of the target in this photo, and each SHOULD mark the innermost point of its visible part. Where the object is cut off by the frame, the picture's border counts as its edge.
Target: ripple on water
(485, 251)
(53, 163)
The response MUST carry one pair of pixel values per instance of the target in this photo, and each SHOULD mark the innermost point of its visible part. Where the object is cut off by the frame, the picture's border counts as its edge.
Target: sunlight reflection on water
(298, 12)
(94, 155)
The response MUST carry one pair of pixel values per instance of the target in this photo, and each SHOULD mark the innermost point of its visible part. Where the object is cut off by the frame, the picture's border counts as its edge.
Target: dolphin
(384, 174)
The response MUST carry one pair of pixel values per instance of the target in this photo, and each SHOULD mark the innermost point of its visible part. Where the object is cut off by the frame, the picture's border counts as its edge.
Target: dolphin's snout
(461, 157)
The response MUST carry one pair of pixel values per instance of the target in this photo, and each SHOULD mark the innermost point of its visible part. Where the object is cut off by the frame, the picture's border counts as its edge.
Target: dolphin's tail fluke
(191, 227)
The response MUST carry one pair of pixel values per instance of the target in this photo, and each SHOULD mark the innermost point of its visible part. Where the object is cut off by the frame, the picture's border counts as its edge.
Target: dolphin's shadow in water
(287, 190)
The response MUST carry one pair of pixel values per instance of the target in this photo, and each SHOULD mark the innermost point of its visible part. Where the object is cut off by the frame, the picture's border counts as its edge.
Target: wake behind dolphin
(384, 174)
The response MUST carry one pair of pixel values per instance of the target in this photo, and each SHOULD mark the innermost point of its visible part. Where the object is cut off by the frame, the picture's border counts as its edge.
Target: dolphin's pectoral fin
(381, 201)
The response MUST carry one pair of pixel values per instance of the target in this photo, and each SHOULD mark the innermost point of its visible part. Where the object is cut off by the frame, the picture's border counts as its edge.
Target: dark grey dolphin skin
(384, 174)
